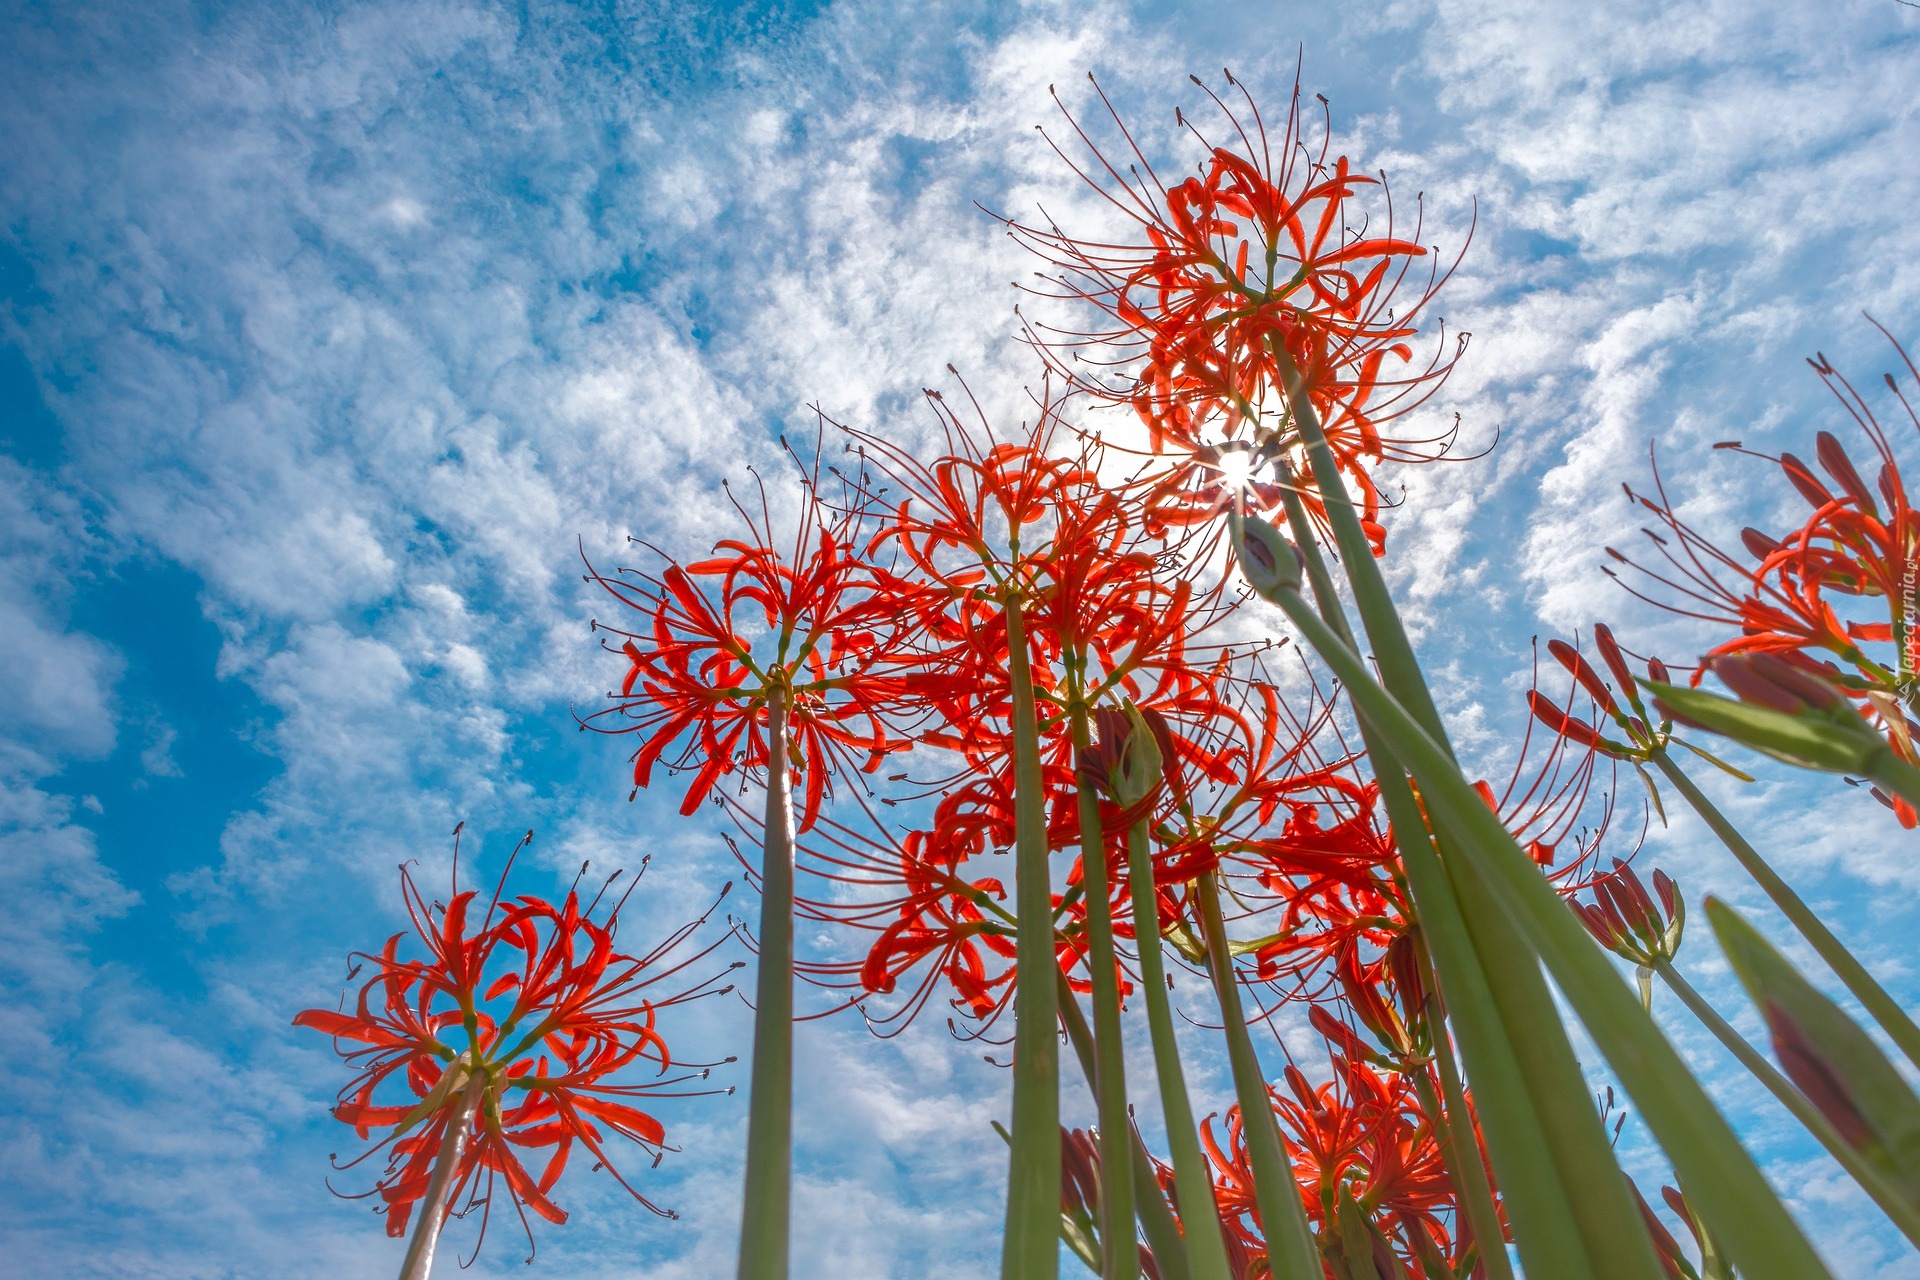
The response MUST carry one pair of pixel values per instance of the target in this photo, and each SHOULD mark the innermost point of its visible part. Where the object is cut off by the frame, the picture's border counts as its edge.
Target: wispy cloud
(364, 318)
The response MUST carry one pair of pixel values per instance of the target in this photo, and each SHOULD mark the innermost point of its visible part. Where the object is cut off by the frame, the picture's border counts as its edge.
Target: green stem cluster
(1206, 1250)
(1119, 1259)
(1517, 921)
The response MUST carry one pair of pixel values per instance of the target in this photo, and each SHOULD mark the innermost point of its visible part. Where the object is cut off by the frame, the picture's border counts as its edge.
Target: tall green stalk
(1537, 1201)
(1872, 996)
(1603, 1208)
(1728, 1189)
(418, 1264)
(1120, 1260)
(1149, 1205)
(766, 1204)
(1199, 1214)
(1030, 1248)
(1290, 1250)
(1538, 1196)
(1904, 1215)
(1468, 1170)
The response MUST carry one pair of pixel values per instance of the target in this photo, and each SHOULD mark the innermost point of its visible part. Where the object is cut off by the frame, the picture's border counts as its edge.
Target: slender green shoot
(1199, 1214)
(1157, 1222)
(1290, 1250)
(1030, 1248)
(1882, 1007)
(1119, 1259)
(767, 1202)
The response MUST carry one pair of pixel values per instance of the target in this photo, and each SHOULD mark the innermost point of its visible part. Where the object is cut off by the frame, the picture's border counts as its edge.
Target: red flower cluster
(1360, 1142)
(515, 1033)
(822, 627)
(995, 543)
(1797, 596)
(944, 592)
(988, 537)
(1254, 280)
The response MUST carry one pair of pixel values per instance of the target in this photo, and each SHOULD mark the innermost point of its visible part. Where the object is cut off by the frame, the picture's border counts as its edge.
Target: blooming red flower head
(1361, 1135)
(820, 627)
(1256, 278)
(524, 1031)
(1833, 597)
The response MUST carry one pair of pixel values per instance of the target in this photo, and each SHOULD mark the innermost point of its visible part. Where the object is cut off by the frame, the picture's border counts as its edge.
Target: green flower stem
(1904, 1215)
(418, 1264)
(1519, 1086)
(1468, 1168)
(1728, 1189)
(1120, 1260)
(1537, 1202)
(1617, 1245)
(1597, 1194)
(1199, 1215)
(1030, 1248)
(1872, 996)
(1598, 1198)
(1290, 1250)
(766, 1204)
(1462, 1154)
(1156, 1219)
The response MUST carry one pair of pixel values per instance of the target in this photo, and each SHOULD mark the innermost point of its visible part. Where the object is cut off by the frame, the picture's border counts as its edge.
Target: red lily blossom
(514, 1032)
(937, 917)
(1792, 597)
(820, 626)
(1257, 271)
(1361, 1135)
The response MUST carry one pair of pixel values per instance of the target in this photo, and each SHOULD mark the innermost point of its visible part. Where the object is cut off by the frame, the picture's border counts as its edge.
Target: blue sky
(325, 331)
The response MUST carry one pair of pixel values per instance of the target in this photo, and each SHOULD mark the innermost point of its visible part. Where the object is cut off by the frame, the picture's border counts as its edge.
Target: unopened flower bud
(1616, 661)
(1271, 563)
(1767, 681)
(1125, 762)
(1784, 712)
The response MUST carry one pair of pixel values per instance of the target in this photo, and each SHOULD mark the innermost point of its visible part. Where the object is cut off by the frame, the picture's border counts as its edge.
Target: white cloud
(364, 321)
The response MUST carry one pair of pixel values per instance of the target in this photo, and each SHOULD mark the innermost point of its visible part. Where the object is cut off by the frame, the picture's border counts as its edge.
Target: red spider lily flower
(937, 918)
(938, 902)
(992, 524)
(821, 627)
(1361, 1135)
(1335, 881)
(1796, 597)
(1231, 282)
(515, 1033)
(1642, 736)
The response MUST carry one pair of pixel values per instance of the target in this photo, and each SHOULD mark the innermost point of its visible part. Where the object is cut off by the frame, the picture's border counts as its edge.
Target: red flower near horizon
(1361, 1134)
(516, 1032)
(1256, 273)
